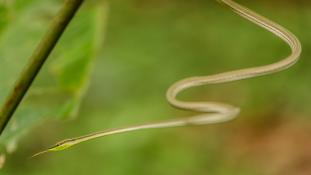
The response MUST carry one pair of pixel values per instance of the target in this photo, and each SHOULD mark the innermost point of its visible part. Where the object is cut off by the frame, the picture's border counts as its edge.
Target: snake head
(62, 145)
(57, 147)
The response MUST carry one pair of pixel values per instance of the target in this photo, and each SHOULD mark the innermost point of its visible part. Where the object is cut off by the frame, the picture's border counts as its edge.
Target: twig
(37, 60)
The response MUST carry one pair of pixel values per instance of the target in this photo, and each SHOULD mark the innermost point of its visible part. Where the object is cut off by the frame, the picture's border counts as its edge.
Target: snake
(208, 112)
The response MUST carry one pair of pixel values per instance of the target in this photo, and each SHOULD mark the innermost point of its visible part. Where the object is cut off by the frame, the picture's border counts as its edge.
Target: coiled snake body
(211, 112)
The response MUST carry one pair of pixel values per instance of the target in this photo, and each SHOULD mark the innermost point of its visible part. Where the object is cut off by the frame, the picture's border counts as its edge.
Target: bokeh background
(112, 69)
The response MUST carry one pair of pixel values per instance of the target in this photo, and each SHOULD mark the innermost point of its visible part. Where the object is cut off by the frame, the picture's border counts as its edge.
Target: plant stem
(37, 60)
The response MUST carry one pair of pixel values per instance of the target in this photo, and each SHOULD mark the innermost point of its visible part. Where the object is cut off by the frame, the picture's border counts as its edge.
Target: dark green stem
(37, 60)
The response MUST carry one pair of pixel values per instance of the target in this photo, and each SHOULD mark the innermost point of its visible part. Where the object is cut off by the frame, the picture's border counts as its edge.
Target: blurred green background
(113, 66)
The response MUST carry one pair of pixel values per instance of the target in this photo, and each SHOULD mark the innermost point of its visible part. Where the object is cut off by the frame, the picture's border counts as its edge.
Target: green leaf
(59, 87)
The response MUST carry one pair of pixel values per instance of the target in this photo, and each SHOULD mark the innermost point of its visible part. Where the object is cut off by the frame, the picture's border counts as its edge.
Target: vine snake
(210, 112)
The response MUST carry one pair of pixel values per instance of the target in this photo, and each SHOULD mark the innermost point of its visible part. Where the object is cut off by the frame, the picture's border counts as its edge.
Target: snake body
(210, 112)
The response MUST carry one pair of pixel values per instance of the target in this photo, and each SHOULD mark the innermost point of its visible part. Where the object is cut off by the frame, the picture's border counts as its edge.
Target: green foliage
(57, 91)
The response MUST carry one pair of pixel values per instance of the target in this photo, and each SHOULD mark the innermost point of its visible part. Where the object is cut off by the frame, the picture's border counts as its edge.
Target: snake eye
(58, 144)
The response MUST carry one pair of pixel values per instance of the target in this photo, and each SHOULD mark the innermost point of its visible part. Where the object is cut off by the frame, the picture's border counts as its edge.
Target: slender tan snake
(210, 112)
